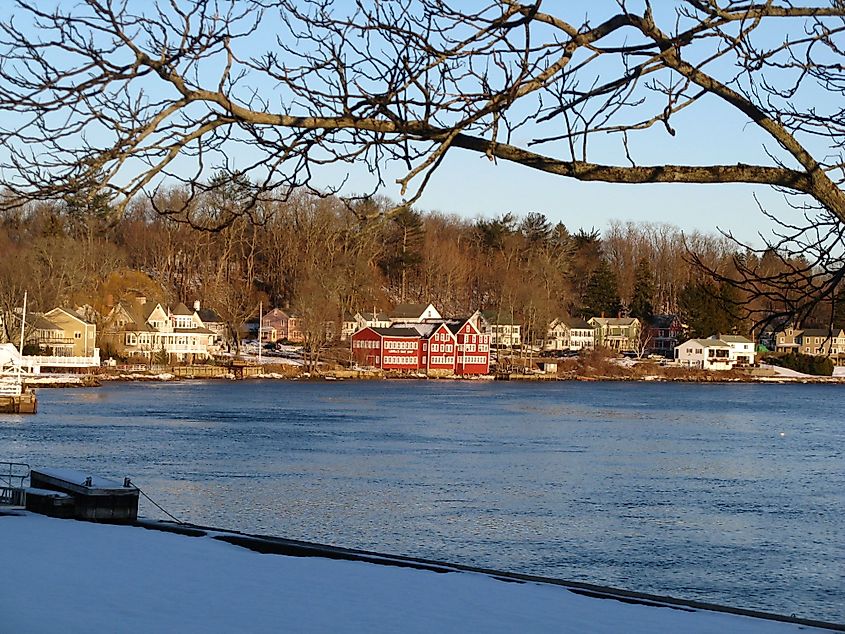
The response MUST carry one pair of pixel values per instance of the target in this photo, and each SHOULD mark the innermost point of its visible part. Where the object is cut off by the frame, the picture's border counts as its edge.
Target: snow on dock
(62, 576)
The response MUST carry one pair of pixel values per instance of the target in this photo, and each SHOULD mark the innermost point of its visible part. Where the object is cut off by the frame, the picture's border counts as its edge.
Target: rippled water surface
(733, 494)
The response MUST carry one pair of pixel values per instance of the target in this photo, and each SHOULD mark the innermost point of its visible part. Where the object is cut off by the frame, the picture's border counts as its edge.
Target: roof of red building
(394, 331)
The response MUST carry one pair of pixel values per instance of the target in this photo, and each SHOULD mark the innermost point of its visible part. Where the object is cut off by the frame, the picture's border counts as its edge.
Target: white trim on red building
(438, 345)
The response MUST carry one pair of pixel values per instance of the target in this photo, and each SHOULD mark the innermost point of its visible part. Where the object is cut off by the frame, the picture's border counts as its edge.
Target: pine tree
(641, 306)
(602, 293)
(709, 308)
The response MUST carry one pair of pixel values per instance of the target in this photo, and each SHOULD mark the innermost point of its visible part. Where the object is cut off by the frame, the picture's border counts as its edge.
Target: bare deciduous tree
(137, 91)
(136, 95)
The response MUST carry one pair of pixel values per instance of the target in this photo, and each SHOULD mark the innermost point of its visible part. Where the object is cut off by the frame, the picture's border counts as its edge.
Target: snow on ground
(786, 373)
(67, 576)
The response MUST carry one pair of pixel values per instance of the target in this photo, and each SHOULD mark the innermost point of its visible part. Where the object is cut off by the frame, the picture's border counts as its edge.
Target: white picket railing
(35, 362)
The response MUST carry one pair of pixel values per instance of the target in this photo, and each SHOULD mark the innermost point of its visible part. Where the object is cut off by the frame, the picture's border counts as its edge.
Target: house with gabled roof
(147, 329)
(663, 334)
(80, 333)
(829, 342)
(569, 333)
(363, 319)
(707, 354)
(281, 325)
(413, 313)
(742, 349)
(47, 336)
(504, 329)
(439, 346)
(617, 333)
(214, 322)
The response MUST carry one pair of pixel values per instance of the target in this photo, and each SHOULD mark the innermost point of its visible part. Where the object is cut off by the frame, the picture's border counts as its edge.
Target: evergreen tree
(709, 308)
(601, 296)
(641, 307)
(535, 228)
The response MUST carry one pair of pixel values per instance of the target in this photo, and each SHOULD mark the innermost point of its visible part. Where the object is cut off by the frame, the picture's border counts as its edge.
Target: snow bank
(67, 576)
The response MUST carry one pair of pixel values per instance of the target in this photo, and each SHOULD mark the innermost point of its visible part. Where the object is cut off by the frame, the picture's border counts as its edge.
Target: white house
(570, 334)
(742, 349)
(707, 354)
(504, 330)
(353, 323)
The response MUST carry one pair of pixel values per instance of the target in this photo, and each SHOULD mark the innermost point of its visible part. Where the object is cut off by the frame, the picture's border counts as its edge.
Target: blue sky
(470, 185)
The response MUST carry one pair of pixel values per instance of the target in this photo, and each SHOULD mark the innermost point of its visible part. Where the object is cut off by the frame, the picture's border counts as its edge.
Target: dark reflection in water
(727, 493)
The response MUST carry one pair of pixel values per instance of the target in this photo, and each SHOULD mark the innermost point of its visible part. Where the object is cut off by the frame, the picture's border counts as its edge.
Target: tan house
(47, 336)
(617, 333)
(815, 341)
(147, 329)
(81, 333)
(214, 322)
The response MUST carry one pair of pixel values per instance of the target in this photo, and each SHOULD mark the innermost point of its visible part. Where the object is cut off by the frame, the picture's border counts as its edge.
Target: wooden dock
(24, 403)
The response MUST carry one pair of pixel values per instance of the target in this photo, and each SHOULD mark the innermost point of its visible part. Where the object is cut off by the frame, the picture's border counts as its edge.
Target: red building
(664, 334)
(442, 345)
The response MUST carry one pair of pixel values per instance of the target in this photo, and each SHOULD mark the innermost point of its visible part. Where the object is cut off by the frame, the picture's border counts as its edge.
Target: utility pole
(23, 321)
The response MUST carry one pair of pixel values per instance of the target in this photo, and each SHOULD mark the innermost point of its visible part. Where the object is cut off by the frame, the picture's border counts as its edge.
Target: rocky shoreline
(621, 373)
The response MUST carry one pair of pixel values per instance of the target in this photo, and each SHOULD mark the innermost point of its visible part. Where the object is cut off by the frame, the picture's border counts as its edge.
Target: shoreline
(97, 380)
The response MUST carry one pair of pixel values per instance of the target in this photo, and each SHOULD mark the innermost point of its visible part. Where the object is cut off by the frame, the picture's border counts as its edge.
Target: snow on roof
(150, 581)
(79, 477)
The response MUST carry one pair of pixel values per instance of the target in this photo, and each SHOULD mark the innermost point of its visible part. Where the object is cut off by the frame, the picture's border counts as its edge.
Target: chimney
(197, 305)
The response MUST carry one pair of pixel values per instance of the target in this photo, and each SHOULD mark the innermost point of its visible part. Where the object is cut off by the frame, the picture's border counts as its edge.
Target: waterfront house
(569, 334)
(214, 322)
(621, 334)
(663, 334)
(821, 341)
(438, 346)
(813, 341)
(504, 331)
(788, 339)
(281, 325)
(80, 332)
(353, 323)
(707, 354)
(413, 313)
(147, 329)
(47, 337)
(742, 350)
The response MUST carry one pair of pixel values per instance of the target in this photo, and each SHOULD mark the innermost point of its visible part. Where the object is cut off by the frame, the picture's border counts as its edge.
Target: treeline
(323, 258)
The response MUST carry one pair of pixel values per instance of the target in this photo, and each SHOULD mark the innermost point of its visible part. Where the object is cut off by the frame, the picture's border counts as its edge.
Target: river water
(732, 493)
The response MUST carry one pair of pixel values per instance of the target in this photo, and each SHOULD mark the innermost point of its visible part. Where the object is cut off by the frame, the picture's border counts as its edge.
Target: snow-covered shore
(67, 576)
